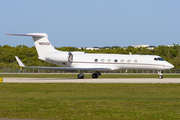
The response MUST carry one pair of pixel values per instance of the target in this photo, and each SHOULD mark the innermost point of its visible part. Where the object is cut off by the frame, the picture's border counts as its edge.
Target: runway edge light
(1, 80)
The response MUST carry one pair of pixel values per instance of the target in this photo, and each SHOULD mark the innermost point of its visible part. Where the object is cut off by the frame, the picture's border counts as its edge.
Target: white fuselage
(80, 61)
(111, 61)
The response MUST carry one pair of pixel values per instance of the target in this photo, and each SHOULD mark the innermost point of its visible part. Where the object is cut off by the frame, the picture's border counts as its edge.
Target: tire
(80, 77)
(94, 75)
(160, 77)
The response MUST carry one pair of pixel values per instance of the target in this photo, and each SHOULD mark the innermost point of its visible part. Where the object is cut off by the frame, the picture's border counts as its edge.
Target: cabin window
(135, 61)
(122, 61)
(102, 60)
(109, 60)
(96, 60)
(115, 60)
(128, 61)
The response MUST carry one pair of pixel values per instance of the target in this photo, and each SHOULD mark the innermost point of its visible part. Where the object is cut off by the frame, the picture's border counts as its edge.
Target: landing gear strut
(160, 75)
(96, 74)
(80, 75)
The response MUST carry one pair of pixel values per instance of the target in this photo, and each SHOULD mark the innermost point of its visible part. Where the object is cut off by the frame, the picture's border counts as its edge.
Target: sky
(89, 23)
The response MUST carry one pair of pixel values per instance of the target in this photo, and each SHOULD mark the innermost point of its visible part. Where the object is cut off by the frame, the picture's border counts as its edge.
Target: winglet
(19, 62)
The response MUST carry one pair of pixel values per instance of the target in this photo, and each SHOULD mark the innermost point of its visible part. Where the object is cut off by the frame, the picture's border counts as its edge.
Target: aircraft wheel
(160, 77)
(80, 76)
(94, 75)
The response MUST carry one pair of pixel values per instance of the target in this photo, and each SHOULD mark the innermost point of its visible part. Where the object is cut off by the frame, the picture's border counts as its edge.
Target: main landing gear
(80, 75)
(160, 75)
(94, 75)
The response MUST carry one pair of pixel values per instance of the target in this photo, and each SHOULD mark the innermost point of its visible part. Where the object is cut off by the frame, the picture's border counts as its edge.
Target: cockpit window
(159, 59)
(156, 59)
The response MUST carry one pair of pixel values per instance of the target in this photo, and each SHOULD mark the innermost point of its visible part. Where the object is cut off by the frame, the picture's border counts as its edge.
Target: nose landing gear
(160, 75)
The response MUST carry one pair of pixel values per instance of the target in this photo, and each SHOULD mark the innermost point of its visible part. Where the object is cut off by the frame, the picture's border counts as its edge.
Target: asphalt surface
(86, 80)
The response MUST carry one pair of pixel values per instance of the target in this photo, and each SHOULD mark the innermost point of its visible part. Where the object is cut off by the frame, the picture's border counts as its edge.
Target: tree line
(29, 56)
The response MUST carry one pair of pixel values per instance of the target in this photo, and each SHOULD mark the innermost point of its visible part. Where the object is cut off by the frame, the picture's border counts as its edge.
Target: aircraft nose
(170, 66)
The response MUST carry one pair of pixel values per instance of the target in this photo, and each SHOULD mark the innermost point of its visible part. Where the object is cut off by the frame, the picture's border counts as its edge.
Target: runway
(99, 80)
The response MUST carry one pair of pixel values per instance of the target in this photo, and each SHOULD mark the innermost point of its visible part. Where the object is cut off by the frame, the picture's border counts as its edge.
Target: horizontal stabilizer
(19, 62)
(30, 34)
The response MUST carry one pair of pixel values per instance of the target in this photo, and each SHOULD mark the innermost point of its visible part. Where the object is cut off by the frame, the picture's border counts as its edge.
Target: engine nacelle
(59, 57)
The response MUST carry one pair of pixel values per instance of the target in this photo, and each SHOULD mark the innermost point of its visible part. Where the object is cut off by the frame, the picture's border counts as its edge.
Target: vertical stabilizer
(41, 42)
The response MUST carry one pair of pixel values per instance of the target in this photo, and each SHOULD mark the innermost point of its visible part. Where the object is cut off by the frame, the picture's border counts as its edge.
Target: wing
(61, 68)
(70, 68)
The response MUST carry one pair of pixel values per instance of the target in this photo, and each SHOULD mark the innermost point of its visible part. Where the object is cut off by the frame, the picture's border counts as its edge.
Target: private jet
(81, 61)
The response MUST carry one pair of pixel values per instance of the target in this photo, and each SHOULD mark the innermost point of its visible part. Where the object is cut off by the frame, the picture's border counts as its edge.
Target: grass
(89, 75)
(81, 101)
